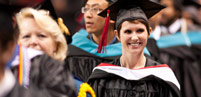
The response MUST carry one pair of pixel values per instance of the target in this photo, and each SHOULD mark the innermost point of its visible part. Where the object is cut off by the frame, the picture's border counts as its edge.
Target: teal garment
(179, 39)
(80, 40)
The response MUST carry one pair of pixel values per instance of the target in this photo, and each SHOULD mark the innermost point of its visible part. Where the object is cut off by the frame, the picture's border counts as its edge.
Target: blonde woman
(22, 74)
(40, 31)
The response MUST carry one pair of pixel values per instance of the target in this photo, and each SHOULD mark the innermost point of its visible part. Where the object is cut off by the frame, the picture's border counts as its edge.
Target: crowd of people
(100, 48)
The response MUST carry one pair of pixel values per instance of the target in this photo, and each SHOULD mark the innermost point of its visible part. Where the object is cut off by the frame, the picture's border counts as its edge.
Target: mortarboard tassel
(103, 42)
(20, 75)
(63, 26)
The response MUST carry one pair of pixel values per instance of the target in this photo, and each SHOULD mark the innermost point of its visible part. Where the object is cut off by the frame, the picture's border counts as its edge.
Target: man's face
(94, 23)
(168, 14)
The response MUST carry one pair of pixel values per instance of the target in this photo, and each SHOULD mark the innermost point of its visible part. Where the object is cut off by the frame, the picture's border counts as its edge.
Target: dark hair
(140, 20)
(111, 1)
(7, 32)
(177, 5)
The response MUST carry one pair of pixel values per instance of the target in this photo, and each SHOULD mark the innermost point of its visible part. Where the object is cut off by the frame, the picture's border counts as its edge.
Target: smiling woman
(39, 31)
(133, 74)
(133, 36)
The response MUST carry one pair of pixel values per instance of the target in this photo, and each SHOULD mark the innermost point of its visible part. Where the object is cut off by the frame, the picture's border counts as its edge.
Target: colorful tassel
(20, 75)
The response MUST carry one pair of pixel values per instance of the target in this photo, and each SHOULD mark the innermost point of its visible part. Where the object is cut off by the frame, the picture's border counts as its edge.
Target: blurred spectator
(155, 20)
(69, 10)
(46, 76)
(181, 48)
(39, 31)
(170, 22)
(190, 14)
(199, 13)
(8, 41)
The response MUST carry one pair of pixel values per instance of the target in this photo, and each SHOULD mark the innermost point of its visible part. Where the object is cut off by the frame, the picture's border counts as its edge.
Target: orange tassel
(103, 43)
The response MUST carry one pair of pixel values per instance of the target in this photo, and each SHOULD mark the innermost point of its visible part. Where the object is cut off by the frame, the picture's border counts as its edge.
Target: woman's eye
(26, 36)
(128, 31)
(41, 36)
(140, 30)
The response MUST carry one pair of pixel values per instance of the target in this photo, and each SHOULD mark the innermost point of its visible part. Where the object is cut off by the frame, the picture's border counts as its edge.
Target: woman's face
(32, 36)
(133, 36)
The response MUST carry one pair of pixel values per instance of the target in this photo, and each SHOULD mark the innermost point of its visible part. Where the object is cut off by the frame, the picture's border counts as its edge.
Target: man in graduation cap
(133, 74)
(94, 45)
(83, 53)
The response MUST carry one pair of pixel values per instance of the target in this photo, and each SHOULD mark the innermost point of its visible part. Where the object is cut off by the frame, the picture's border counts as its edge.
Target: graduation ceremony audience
(180, 46)
(82, 54)
(94, 45)
(38, 30)
(46, 77)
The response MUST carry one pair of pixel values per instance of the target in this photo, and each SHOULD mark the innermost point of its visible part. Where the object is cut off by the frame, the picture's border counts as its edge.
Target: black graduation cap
(123, 10)
(47, 5)
(194, 3)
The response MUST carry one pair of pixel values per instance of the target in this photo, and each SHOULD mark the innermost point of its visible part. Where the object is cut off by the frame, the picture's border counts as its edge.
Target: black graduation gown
(47, 78)
(186, 64)
(184, 60)
(19, 91)
(107, 84)
(81, 63)
(82, 56)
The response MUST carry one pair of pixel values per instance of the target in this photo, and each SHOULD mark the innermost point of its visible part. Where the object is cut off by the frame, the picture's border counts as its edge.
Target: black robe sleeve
(47, 79)
(48, 75)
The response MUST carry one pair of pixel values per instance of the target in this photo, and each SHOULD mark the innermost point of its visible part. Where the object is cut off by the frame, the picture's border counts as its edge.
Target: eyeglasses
(93, 10)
